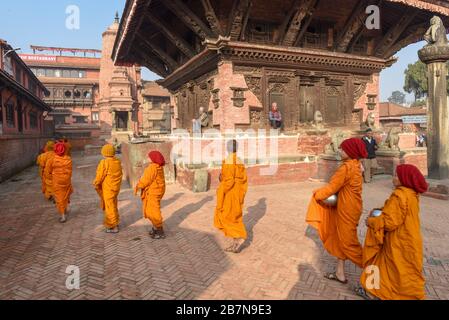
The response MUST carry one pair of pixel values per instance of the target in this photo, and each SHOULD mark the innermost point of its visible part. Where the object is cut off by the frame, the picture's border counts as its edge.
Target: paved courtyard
(284, 259)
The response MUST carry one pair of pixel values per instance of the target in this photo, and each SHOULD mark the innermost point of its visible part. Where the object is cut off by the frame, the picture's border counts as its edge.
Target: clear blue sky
(43, 22)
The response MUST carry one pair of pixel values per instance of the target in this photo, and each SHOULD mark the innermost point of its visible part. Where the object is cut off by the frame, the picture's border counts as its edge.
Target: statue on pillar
(436, 34)
(435, 55)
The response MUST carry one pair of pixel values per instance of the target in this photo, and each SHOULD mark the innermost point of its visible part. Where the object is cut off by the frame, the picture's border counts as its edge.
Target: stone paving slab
(284, 258)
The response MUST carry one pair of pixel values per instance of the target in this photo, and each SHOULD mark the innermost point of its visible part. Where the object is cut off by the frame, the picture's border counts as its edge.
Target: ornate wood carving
(237, 18)
(255, 86)
(359, 90)
(302, 9)
(394, 33)
(178, 41)
(238, 96)
(352, 27)
(414, 34)
(190, 19)
(211, 17)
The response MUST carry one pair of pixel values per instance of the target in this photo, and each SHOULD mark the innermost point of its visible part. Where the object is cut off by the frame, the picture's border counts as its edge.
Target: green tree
(397, 97)
(416, 79)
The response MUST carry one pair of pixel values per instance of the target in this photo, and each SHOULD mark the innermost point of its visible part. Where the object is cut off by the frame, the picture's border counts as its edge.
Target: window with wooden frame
(10, 115)
(33, 120)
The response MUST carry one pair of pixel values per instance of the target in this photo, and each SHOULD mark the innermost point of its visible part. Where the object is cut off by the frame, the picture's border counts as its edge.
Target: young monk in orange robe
(61, 168)
(107, 183)
(41, 160)
(393, 243)
(47, 173)
(152, 186)
(337, 226)
(230, 199)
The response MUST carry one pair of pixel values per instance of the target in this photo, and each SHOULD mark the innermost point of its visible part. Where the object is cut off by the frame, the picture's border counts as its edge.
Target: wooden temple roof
(166, 36)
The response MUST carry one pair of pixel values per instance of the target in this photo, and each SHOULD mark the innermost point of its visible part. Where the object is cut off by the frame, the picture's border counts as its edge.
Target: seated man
(275, 117)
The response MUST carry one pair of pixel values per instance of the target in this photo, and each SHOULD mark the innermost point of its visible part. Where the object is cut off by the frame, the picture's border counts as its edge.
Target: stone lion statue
(370, 122)
(436, 34)
(318, 120)
(337, 138)
(392, 141)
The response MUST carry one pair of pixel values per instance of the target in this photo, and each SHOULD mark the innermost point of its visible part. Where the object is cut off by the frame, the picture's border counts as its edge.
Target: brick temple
(235, 58)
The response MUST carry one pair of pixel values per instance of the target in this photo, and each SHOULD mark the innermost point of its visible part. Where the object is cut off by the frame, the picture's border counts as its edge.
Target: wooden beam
(237, 18)
(303, 9)
(288, 18)
(303, 30)
(245, 22)
(352, 26)
(415, 33)
(164, 56)
(178, 41)
(190, 19)
(394, 33)
(152, 63)
(212, 17)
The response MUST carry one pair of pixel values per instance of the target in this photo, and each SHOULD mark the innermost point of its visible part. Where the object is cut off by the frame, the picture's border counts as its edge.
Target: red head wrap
(355, 148)
(157, 157)
(412, 178)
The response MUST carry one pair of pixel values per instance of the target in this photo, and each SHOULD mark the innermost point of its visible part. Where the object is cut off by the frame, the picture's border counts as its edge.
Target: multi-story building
(73, 84)
(22, 111)
(157, 111)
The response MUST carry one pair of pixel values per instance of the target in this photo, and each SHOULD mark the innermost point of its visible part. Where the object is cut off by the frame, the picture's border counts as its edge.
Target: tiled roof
(151, 88)
(388, 110)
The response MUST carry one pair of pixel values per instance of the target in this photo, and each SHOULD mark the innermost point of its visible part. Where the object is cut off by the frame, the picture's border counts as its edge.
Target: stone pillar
(114, 121)
(130, 121)
(435, 56)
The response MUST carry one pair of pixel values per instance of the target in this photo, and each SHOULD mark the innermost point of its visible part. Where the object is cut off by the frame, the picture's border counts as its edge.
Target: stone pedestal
(436, 56)
(327, 166)
(390, 159)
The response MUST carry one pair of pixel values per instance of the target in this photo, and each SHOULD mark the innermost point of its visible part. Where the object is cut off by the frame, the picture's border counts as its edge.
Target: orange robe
(41, 160)
(61, 168)
(48, 175)
(230, 198)
(152, 185)
(394, 244)
(107, 183)
(337, 226)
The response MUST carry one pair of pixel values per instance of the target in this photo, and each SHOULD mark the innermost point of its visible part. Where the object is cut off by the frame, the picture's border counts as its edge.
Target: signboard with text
(39, 58)
(414, 119)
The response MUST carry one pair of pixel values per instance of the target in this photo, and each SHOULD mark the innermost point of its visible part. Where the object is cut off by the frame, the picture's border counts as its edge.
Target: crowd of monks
(391, 257)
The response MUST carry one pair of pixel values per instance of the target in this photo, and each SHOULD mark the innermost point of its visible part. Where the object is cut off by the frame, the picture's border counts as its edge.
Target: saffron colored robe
(394, 245)
(337, 226)
(48, 175)
(41, 160)
(152, 185)
(108, 182)
(230, 198)
(61, 168)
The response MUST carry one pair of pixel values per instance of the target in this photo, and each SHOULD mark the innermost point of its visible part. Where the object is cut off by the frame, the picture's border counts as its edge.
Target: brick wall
(285, 173)
(18, 153)
(416, 157)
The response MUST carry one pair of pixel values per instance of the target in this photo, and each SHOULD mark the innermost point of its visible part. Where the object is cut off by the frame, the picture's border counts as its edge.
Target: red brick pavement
(284, 258)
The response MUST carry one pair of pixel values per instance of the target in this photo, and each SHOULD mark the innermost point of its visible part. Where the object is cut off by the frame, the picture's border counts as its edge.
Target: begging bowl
(331, 201)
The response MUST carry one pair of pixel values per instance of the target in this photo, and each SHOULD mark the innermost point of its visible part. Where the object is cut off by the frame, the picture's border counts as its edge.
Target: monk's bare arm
(337, 182)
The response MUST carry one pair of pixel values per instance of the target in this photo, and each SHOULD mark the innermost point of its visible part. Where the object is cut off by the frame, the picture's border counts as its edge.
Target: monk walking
(61, 168)
(337, 226)
(152, 186)
(41, 160)
(47, 172)
(394, 245)
(107, 183)
(230, 199)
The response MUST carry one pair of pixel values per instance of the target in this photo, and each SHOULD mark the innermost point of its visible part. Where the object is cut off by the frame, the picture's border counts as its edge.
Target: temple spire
(117, 18)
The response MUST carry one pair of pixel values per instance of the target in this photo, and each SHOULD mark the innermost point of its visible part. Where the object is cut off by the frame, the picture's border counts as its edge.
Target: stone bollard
(200, 181)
